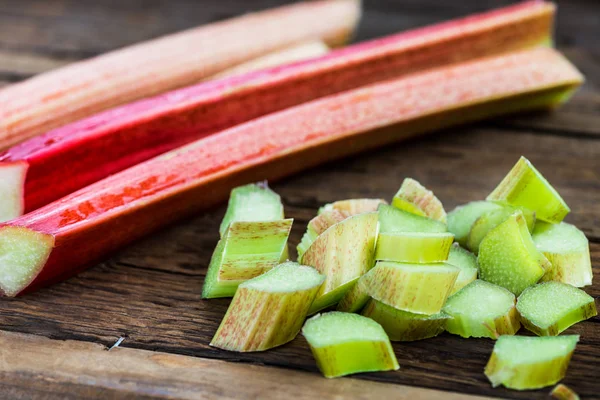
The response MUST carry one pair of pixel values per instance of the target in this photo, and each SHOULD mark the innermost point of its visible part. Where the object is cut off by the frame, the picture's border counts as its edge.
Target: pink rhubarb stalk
(87, 225)
(81, 153)
(84, 88)
(300, 52)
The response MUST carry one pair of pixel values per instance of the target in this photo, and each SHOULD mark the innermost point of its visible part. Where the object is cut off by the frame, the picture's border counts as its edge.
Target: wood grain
(150, 292)
(64, 369)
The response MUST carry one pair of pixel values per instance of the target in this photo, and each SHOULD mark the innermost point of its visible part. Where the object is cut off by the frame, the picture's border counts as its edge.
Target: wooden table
(53, 342)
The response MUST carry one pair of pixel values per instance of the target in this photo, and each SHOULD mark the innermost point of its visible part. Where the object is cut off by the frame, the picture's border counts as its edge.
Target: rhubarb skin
(300, 52)
(122, 137)
(84, 88)
(86, 226)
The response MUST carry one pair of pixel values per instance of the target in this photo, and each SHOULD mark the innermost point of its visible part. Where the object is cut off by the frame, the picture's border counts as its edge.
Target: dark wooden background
(150, 292)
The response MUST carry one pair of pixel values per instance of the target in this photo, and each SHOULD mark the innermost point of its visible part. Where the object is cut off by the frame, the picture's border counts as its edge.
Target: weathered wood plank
(71, 369)
(150, 293)
(87, 26)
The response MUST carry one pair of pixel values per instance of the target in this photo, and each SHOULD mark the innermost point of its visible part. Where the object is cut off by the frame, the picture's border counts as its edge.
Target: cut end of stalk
(344, 344)
(568, 250)
(417, 199)
(416, 288)
(12, 187)
(285, 278)
(23, 253)
(269, 310)
(482, 309)
(525, 186)
(393, 220)
(522, 362)
(508, 257)
(354, 206)
(404, 326)
(253, 202)
(549, 308)
(247, 250)
(563, 392)
(462, 218)
(414, 247)
(466, 262)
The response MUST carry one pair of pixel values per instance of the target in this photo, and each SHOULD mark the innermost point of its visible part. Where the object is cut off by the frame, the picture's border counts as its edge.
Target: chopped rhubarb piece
(416, 199)
(482, 309)
(344, 344)
(175, 185)
(353, 206)
(81, 89)
(247, 250)
(254, 202)
(508, 257)
(254, 237)
(343, 253)
(318, 225)
(393, 220)
(91, 149)
(549, 308)
(416, 288)
(563, 392)
(568, 250)
(413, 247)
(526, 187)
(491, 219)
(522, 362)
(466, 262)
(405, 326)
(356, 298)
(269, 310)
(462, 218)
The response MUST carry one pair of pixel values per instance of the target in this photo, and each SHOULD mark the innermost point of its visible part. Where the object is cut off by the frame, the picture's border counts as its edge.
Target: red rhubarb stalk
(82, 89)
(81, 153)
(87, 225)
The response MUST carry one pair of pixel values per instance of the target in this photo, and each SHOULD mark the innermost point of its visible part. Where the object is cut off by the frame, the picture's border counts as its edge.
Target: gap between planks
(163, 375)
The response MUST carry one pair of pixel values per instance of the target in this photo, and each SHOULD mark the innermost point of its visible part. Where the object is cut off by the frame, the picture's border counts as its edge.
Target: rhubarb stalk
(91, 149)
(87, 225)
(84, 88)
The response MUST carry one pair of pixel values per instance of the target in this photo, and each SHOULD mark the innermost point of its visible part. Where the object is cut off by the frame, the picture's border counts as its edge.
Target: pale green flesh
(525, 186)
(345, 343)
(463, 217)
(528, 349)
(413, 247)
(12, 178)
(521, 362)
(23, 253)
(474, 308)
(405, 326)
(466, 262)
(247, 250)
(492, 219)
(286, 277)
(331, 298)
(392, 220)
(554, 305)
(508, 257)
(254, 202)
(567, 249)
